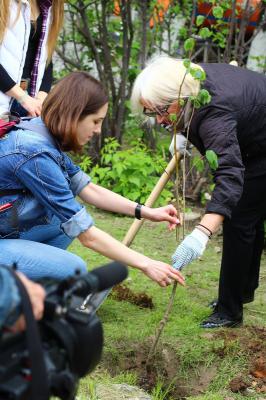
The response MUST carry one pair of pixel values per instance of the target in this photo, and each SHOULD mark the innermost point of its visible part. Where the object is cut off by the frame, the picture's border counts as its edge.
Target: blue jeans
(41, 253)
(17, 108)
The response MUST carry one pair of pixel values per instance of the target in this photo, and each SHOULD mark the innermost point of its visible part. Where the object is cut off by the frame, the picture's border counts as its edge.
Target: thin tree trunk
(227, 53)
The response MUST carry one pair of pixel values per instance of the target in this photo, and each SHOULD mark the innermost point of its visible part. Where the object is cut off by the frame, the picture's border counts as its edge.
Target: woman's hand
(32, 105)
(41, 96)
(167, 213)
(162, 273)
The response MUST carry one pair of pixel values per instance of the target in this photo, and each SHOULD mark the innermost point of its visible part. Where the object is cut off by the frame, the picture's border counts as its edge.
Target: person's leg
(38, 260)
(252, 278)
(239, 248)
(238, 244)
(50, 234)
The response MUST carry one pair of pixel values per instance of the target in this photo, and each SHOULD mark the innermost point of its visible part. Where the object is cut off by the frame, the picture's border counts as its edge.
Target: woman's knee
(76, 264)
(38, 261)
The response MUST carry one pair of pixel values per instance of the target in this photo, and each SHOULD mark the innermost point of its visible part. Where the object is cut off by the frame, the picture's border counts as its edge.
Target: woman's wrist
(212, 222)
(23, 98)
(145, 211)
(41, 95)
(205, 230)
(142, 264)
(16, 92)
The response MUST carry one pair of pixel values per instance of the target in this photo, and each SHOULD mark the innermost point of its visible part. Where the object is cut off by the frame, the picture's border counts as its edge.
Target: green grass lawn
(190, 362)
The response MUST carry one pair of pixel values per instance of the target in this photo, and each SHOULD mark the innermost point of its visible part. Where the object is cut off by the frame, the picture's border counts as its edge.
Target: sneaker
(218, 320)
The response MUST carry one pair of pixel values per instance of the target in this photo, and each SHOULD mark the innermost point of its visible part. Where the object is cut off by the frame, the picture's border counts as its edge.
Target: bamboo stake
(158, 188)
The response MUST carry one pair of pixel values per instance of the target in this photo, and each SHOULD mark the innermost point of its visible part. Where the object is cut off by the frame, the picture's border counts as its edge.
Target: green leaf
(204, 97)
(187, 63)
(135, 180)
(198, 163)
(218, 12)
(212, 159)
(198, 74)
(205, 33)
(189, 44)
(199, 20)
(173, 117)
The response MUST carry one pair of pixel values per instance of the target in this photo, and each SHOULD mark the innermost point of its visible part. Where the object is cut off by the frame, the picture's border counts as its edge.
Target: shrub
(131, 172)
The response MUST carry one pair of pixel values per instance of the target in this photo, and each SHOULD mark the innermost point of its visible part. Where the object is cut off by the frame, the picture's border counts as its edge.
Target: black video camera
(71, 338)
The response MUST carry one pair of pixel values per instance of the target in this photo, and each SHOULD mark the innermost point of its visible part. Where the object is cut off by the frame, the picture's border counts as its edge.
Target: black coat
(233, 125)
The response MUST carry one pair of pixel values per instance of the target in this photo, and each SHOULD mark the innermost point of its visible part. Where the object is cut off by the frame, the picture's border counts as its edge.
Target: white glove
(190, 249)
(181, 145)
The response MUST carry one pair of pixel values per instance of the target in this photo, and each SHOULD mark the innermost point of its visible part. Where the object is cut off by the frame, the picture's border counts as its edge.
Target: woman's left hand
(167, 213)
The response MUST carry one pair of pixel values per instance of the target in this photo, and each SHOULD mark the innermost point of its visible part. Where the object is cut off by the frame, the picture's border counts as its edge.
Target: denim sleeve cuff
(79, 181)
(10, 299)
(77, 224)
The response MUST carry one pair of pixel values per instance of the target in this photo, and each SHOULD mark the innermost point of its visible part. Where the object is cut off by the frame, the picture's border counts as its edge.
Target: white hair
(164, 79)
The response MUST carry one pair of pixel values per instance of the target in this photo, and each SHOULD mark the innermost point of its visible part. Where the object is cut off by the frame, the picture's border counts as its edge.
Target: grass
(187, 354)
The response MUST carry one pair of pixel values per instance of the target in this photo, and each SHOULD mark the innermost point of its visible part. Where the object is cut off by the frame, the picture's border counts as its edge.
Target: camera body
(72, 338)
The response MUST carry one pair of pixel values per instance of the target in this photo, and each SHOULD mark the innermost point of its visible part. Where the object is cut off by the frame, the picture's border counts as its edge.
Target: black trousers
(243, 239)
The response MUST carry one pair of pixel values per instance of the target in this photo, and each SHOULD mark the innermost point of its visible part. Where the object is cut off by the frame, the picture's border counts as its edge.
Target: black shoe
(246, 299)
(212, 305)
(218, 320)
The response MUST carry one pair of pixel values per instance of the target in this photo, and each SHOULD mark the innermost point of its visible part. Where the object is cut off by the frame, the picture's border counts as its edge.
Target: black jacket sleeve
(218, 133)
(6, 83)
(47, 79)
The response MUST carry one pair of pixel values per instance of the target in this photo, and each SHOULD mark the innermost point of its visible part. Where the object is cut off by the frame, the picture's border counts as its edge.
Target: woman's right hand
(32, 105)
(162, 273)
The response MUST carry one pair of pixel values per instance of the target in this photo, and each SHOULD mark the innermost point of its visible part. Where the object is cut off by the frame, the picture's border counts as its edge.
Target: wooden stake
(158, 188)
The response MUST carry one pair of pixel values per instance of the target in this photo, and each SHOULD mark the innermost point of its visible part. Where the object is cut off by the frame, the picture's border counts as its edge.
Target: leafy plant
(212, 159)
(131, 172)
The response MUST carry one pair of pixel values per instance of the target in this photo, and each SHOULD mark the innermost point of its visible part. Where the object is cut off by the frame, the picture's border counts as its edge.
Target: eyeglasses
(163, 111)
(158, 111)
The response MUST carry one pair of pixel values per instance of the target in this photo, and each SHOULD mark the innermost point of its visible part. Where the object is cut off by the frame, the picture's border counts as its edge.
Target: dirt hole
(166, 366)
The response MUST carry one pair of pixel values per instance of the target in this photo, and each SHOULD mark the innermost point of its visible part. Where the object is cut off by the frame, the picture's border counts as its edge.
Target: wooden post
(135, 227)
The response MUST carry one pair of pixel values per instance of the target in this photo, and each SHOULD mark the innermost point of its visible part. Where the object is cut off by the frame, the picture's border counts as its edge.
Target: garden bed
(190, 363)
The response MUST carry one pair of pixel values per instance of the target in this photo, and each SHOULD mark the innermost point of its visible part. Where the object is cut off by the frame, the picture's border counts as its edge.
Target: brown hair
(72, 99)
(56, 22)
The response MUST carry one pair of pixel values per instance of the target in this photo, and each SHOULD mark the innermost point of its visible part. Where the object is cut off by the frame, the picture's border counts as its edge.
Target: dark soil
(165, 365)
(124, 293)
(252, 341)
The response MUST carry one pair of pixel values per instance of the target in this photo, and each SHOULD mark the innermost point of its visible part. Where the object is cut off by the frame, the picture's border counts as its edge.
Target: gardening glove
(190, 249)
(182, 145)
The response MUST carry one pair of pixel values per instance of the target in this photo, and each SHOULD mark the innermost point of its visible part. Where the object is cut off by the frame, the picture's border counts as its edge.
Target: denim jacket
(34, 162)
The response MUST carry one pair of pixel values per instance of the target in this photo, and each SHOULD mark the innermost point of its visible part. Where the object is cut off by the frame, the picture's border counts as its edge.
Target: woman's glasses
(157, 111)
(162, 111)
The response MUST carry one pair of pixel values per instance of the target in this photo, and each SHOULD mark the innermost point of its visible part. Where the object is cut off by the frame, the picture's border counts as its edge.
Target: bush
(131, 172)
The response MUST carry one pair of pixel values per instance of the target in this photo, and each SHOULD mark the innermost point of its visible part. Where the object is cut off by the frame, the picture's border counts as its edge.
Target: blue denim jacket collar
(37, 125)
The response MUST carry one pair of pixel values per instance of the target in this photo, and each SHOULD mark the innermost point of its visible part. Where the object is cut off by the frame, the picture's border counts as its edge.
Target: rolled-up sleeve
(47, 182)
(78, 178)
(218, 132)
(77, 224)
(79, 181)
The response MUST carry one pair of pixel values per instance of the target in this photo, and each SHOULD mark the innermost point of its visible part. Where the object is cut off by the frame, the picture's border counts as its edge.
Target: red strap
(5, 126)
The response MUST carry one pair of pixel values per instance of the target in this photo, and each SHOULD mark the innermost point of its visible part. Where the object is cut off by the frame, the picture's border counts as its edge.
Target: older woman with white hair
(233, 125)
